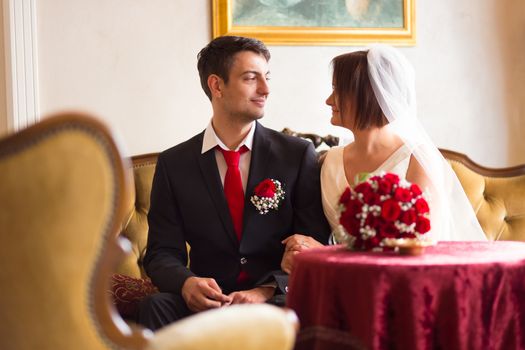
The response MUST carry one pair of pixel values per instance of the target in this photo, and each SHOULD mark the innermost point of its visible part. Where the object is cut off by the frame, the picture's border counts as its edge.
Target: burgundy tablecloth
(457, 295)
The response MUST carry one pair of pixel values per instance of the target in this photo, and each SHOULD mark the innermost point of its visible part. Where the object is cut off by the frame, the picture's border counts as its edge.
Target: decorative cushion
(127, 292)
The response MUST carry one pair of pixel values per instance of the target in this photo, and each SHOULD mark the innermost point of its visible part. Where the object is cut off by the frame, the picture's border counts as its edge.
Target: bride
(374, 97)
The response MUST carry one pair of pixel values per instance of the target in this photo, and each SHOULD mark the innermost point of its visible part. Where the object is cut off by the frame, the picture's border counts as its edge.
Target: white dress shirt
(211, 140)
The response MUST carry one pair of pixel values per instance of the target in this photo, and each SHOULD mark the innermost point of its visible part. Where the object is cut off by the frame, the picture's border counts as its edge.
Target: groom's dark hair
(354, 90)
(217, 57)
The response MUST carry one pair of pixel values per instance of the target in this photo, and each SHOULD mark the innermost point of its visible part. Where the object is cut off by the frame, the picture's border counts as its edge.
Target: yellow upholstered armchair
(65, 194)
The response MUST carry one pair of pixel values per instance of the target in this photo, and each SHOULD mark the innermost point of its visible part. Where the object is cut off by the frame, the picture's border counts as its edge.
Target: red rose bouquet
(380, 209)
(267, 196)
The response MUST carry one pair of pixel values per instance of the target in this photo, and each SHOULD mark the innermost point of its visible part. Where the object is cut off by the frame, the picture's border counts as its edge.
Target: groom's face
(245, 94)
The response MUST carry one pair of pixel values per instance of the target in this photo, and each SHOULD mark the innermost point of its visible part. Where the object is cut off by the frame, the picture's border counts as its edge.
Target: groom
(202, 189)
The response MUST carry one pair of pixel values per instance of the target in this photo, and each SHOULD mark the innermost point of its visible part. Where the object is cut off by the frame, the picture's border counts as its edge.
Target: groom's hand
(203, 293)
(295, 244)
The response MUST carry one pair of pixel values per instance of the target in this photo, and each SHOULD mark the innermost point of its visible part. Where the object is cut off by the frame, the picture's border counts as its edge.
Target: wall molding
(21, 63)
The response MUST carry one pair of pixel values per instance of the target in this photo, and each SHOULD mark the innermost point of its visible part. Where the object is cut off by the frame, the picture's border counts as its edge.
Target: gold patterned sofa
(497, 195)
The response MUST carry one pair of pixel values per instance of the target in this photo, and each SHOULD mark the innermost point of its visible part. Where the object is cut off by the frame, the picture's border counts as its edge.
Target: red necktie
(235, 194)
(233, 188)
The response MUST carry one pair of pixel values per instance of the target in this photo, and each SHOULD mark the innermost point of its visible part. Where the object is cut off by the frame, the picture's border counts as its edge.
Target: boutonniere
(267, 195)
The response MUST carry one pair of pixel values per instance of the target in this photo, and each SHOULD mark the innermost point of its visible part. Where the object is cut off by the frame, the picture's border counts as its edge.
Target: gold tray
(408, 246)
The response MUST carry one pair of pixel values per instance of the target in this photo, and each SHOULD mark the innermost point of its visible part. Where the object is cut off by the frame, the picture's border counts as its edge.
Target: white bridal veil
(392, 78)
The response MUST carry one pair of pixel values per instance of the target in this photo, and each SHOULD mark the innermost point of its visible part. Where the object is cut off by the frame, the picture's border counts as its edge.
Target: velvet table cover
(457, 295)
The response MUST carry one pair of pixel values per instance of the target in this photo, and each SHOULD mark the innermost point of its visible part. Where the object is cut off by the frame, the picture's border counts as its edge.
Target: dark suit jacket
(188, 205)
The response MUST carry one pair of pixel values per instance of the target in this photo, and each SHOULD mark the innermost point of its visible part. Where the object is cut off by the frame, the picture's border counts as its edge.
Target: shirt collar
(211, 139)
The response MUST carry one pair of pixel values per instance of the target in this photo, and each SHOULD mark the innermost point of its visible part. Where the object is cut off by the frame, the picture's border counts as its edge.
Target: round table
(457, 295)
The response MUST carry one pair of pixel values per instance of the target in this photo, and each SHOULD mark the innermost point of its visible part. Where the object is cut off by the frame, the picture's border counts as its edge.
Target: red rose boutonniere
(381, 209)
(267, 196)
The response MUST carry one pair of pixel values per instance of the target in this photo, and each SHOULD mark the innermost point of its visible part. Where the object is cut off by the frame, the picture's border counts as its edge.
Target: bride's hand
(300, 242)
(287, 261)
(295, 244)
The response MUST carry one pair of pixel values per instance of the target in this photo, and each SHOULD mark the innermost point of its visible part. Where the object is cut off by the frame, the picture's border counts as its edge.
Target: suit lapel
(258, 170)
(212, 179)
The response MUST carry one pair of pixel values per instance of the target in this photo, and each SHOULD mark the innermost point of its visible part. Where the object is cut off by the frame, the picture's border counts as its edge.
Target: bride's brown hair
(354, 90)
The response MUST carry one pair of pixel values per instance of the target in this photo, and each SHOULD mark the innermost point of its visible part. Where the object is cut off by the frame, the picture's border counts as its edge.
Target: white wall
(3, 104)
(133, 63)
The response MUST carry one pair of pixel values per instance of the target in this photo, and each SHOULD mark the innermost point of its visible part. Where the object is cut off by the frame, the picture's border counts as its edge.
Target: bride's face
(336, 115)
(337, 118)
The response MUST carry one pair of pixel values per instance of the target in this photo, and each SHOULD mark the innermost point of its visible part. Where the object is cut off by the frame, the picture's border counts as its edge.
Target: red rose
(350, 223)
(416, 191)
(367, 191)
(359, 243)
(372, 242)
(345, 196)
(375, 178)
(363, 187)
(422, 224)
(403, 194)
(369, 198)
(372, 221)
(389, 230)
(265, 189)
(384, 187)
(392, 178)
(422, 206)
(352, 207)
(390, 210)
(409, 217)
(377, 199)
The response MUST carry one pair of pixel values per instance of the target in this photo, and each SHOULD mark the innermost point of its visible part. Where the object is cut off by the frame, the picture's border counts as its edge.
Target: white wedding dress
(333, 177)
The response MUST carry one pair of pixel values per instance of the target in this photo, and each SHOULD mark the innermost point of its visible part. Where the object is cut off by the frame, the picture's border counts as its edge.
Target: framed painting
(317, 22)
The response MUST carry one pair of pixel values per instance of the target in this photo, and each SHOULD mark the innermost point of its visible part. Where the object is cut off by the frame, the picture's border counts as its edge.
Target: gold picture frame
(404, 34)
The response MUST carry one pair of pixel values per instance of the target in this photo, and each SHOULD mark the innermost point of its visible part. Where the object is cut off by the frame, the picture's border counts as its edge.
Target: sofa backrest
(136, 227)
(497, 196)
